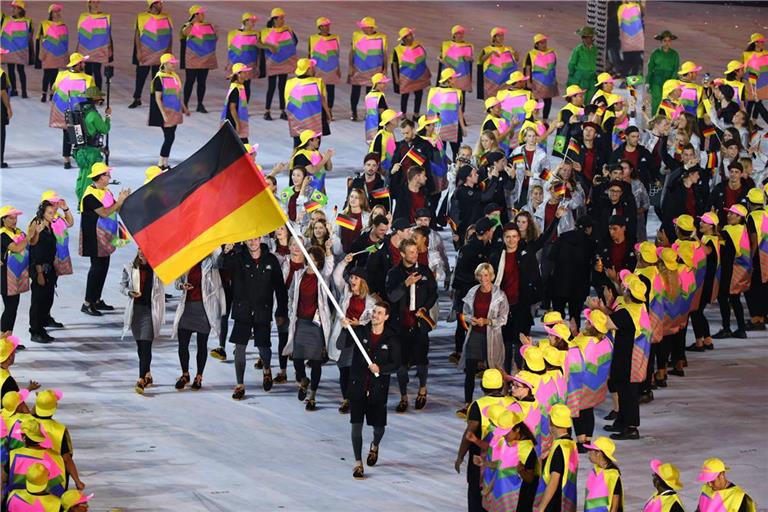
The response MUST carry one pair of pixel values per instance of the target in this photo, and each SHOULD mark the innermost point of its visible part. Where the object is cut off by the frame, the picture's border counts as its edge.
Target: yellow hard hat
(388, 115)
(37, 478)
(492, 379)
(685, 222)
(668, 473)
(303, 65)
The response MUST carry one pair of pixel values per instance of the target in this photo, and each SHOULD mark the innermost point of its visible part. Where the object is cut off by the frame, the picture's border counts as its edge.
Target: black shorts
(241, 333)
(415, 347)
(375, 413)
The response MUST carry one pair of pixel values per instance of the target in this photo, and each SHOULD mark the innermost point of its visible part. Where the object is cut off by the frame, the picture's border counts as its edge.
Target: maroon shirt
(418, 200)
(618, 253)
(480, 308)
(292, 206)
(632, 156)
(510, 281)
(373, 343)
(395, 253)
(195, 278)
(307, 305)
(356, 307)
(731, 196)
(424, 258)
(348, 236)
(690, 201)
(589, 162)
(549, 213)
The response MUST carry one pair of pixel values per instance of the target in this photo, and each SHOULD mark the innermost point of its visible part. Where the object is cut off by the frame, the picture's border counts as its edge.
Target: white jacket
(324, 311)
(344, 294)
(497, 314)
(157, 301)
(538, 164)
(214, 300)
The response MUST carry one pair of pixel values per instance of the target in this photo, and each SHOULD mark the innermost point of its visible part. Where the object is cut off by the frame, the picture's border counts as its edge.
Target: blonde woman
(485, 310)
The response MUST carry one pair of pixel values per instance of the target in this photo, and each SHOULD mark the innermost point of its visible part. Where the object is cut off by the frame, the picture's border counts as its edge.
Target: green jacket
(662, 66)
(94, 123)
(582, 68)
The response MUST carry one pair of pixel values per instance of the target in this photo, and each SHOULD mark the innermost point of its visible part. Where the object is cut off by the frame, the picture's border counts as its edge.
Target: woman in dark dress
(166, 105)
(42, 273)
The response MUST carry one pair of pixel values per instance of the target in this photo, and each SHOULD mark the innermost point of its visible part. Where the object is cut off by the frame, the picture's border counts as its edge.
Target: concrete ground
(168, 451)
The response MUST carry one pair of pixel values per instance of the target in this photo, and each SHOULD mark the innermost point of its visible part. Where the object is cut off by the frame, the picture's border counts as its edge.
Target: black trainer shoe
(39, 338)
(722, 334)
(611, 415)
(90, 310)
(630, 433)
(136, 103)
(53, 323)
(695, 348)
(283, 116)
(740, 334)
(201, 109)
(103, 306)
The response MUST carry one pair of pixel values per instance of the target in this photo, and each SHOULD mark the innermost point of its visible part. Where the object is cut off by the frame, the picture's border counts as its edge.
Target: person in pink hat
(666, 481)
(495, 63)
(198, 54)
(236, 106)
(52, 45)
(6, 112)
(14, 272)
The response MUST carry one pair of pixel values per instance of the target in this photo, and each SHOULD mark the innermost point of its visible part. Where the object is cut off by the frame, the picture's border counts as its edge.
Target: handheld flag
(214, 197)
(708, 131)
(559, 144)
(346, 221)
(559, 189)
(545, 175)
(311, 206)
(573, 148)
(518, 159)
(380, 193)
(415, 156)
(319, 197)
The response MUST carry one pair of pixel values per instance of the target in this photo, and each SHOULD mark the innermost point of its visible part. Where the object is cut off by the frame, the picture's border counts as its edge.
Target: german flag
(380, 193)
(518, 159)
(214, 197)
(415, 156)
(712, 160)
(311, 206)
(346, 221)
(559, 189)
(708, 131)
(573, 147)
(545, 175)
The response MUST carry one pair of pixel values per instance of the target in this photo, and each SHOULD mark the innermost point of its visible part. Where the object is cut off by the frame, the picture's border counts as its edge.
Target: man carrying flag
(410, 196)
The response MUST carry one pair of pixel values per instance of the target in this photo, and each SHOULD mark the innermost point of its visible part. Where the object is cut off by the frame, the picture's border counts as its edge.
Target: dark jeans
(185, 336)
(469, 379)
(417, 97)
(41, 303)
(547, 107)
(49, 76)
(169, 136)
(276, 82)
(330, 92)
(574, 304)
(12, 68)
(94, 69)
(144, 348)
(316, 368)
(141, 77)
(629, 404)
(10, 308)
(66, 145)
(632, 63)
(727, 301)
(201, 77)
(354, 97)
(97, 275)
(519, 321)
(403, 379)
(584, 425)
(282, 341)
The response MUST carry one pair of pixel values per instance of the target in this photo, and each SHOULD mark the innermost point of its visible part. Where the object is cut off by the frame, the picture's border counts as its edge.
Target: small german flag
(214, 197)
(381, 193)
(518, 159)
(545, 175)
(712, 160)
(415, 156)
(667, 104)
(600, 112)
(423, 315)
(573, 147)
(311, 206)
(346, 221)
(708, 131)
(559, 189)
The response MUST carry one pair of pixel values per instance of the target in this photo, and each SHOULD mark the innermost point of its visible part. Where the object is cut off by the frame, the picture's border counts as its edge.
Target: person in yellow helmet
(153, 37)
(51, 47)
(167, 107)
(720, 494)
(198, 54)
(280, 59)
(19, 46)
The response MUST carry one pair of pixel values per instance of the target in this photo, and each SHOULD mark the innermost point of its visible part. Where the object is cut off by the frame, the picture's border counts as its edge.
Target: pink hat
(709, 218)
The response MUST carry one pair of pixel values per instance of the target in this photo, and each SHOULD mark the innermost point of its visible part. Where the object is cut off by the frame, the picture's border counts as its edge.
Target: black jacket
(424, 150)
(600, 279)
(571, 256)
(399, 296)
(402, 196)
(358, 181)
(386, 356)
(673, 204)
(717, 197)
(470, 203)
(530, 285)
(378, 265)
(644, 162)
(256, 285)
(469, 257)
(603, 209)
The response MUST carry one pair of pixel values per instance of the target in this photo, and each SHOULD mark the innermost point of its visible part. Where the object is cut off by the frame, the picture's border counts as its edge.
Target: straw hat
(605, 445)
(688, 67)
(664, 35)
(669, 473)
(685, 222)
(98, 169)
(76, 58)
(560, 416)
(492, 379)
(303, 65)
(388, 115)
(586, 31)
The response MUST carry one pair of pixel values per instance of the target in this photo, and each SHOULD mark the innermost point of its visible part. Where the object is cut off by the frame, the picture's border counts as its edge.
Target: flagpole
(324, 286)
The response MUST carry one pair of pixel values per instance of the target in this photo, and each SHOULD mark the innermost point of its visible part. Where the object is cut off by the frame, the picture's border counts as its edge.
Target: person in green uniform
(662, 66)
(93, 151)
(582, 66)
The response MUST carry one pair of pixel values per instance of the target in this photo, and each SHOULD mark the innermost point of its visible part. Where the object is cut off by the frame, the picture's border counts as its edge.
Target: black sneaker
(103, 306)
(42, 98)
(267, 116)
(311, 405)
(303, 390)
(676, 372)
(646, 398)
(283, 116)
(239, 393)
(630, 433)
(24, 95)
(612, 428)
(711, 346)
(201, 109)
(53, 323)
(90, 310)
(722, 334)
(136, 103)
(4, 165)
(740, 334)
(13, 94)
(39, 338)
(695, 348)
(67, 165)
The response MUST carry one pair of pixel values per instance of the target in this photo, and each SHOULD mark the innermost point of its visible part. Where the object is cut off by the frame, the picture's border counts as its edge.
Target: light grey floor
(170, 451)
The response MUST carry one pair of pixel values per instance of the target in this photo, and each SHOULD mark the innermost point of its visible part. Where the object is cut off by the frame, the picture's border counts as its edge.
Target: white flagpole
(327, 290)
